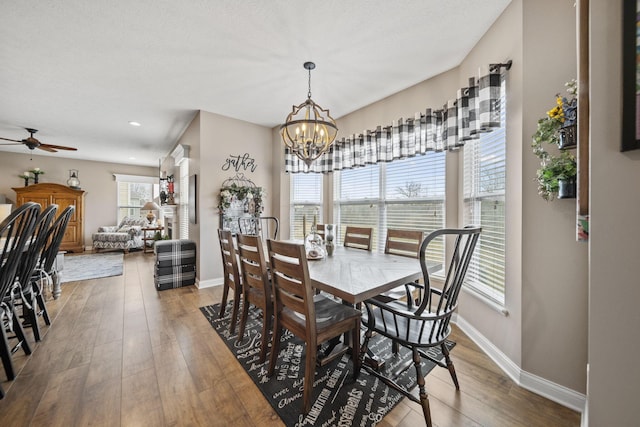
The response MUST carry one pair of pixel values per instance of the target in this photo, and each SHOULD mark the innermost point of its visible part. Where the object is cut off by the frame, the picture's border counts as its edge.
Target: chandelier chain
(309, 92)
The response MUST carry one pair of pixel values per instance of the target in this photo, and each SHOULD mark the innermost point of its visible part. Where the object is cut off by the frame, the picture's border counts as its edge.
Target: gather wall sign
(240, 162)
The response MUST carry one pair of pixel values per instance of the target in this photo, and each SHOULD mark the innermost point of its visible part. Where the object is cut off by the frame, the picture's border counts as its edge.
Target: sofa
(126, 235)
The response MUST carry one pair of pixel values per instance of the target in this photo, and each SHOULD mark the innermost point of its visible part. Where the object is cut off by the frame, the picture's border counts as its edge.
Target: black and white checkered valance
(475, 110)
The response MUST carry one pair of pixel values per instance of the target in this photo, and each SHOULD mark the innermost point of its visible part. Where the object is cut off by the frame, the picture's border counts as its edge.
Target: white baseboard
(201, 284)
(552, 391)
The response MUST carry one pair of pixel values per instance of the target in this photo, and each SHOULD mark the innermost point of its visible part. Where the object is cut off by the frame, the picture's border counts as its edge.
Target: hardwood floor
(119, 353)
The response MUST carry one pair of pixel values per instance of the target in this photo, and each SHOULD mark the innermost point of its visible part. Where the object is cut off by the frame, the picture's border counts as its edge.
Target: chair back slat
(358, 237)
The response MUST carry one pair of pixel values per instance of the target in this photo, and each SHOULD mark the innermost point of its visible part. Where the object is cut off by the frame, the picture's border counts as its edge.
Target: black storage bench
(175, 263)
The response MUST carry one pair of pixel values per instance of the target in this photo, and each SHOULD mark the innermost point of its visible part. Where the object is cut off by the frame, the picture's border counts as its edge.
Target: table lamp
(150, 206)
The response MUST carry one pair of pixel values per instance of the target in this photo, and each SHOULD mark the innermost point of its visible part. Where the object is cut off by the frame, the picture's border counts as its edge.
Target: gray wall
(212, 139)
(614, 291)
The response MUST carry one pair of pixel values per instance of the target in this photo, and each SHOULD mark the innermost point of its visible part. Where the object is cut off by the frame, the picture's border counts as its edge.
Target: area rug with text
(91, 266)
(338, 398)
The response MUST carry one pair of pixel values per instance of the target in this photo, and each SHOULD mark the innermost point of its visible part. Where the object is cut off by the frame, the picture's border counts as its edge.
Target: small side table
(149, 233)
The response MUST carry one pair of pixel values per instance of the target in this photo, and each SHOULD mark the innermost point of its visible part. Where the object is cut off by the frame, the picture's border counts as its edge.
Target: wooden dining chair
(256, 287)
(358, 237)
(313, 318)
(320, 230)
(15, 233)
(403, 243)
(428, 324)
(232, 279)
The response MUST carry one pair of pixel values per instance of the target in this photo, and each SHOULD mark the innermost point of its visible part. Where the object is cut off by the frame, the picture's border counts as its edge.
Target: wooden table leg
(57, 290)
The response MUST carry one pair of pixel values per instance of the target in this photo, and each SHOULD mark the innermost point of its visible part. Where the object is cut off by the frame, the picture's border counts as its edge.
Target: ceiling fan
(33, 143)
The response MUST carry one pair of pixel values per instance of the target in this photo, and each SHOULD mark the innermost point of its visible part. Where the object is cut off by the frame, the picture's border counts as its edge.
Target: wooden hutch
(47, 194)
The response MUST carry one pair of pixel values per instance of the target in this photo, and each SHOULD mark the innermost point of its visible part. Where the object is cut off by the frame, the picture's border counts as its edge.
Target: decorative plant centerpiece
(557, 173)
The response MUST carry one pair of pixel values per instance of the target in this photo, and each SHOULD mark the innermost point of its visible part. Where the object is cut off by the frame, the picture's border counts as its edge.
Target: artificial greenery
(555, 165)
(236, 192)
(561, 167)
(37, 171)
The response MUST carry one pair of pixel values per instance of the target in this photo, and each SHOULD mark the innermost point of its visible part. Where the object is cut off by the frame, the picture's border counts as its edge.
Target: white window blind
(306, 201)
(358, 199)
(403, 194)
(415, 194)
(484, 204)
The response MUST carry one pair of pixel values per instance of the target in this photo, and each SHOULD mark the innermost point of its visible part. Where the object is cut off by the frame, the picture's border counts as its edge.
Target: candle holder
(26, 178)
(329, 244)
(36, 173)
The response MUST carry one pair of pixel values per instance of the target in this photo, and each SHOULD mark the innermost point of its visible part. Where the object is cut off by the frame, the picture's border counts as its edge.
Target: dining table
(355, 275)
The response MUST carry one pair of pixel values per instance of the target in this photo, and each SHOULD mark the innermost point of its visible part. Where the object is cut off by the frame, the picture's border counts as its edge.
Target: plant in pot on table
(556, 176)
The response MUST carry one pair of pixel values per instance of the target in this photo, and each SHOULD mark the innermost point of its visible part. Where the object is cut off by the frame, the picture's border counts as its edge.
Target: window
(133, 193)
(306, 201)
(404, 194)
(484, 204)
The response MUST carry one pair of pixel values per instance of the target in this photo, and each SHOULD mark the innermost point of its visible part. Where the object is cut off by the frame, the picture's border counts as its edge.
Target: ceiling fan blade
(58, 147)
(46, 147)
(14, 140)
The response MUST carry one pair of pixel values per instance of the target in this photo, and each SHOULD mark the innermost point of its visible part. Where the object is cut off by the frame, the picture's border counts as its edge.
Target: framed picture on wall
(630, 77)
(193, 199)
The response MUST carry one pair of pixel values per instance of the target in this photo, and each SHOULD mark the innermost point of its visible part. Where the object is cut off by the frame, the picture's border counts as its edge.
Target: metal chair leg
(450, 367)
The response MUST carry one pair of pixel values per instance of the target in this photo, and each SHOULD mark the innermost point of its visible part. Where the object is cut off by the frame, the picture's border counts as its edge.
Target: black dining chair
(266, 227)
(15, 232)
(46, 272)
(427, 325)
(22, 293)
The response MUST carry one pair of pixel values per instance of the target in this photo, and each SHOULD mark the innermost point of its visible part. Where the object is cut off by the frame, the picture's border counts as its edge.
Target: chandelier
(309, 129)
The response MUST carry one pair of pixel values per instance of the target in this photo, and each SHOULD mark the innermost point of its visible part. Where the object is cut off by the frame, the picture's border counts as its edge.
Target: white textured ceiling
(80, 70)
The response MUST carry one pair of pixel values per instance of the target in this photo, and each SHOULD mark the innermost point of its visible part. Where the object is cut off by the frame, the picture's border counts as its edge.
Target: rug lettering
(338, 398)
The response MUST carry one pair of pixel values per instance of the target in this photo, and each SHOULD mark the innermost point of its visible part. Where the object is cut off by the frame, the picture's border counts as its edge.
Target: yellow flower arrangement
(557, 113)
(561, 166)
